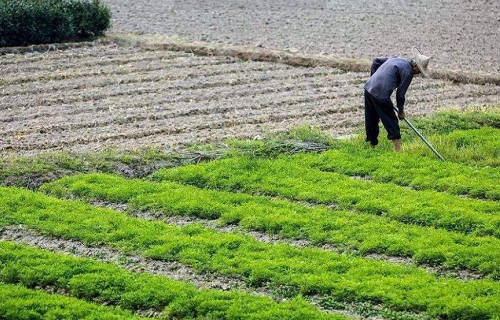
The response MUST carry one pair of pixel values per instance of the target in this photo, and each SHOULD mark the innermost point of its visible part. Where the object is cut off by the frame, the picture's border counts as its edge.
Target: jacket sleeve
(406, 76)
(377, 62)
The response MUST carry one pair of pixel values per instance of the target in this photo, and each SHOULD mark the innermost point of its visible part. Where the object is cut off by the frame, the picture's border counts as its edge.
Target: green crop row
(295, 180)
(408, 170)
(447, 121)
(107, 284)
(19, 303)
(304, 271)
(474, 147)
(347, 230)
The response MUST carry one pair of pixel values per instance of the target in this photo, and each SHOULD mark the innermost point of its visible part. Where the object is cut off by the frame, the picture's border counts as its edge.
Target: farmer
(387, 74)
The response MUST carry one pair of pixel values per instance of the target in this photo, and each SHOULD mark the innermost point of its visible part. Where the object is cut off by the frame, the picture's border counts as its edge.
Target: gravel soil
(462, 35)
(90, 98)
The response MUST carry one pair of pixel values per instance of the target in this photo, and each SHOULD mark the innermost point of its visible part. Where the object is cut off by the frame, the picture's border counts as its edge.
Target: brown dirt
(93, 97)
(460, 34)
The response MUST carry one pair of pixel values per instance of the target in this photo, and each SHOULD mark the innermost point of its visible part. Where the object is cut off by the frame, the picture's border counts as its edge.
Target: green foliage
(311, 271)
(32, 171)
(107, 284)
(91, 18)
(478, 147)
(25, 22)
(293, 178)
(19, 303)
(347, 230)
(409, 170)
(444, 122)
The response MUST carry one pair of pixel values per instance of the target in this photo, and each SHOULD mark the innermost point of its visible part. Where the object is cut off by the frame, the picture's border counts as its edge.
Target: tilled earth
(90, 98)
(462, 35)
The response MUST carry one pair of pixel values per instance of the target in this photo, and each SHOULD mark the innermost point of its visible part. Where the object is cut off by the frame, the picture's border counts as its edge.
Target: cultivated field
(461, 35)
(105, 95)
(350, 233)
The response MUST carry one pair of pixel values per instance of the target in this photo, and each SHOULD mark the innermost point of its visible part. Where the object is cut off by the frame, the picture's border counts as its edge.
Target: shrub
(25, 22)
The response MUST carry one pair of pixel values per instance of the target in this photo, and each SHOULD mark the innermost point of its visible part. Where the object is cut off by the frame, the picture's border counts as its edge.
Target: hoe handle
(421, 137)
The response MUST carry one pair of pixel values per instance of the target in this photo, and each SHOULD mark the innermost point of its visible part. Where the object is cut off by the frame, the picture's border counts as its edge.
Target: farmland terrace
(460, 34)
(107, 95)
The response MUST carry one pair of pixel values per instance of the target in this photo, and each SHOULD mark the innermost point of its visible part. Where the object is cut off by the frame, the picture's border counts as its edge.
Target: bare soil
(91, 98)
(461, 35)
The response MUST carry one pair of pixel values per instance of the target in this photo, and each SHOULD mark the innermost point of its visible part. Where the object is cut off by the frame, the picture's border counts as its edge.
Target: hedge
(26, 22)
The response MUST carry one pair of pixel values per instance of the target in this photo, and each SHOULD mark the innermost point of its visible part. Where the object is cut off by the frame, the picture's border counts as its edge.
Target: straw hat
(421, 61)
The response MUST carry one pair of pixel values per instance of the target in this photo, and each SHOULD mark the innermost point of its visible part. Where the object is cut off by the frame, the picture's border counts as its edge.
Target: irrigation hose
(422, 137)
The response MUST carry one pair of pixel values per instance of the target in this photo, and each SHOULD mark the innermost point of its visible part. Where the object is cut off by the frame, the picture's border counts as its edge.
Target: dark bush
(25, 22)
(90, 18)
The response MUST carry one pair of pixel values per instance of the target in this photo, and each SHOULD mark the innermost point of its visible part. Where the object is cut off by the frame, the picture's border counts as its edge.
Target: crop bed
(460, 35)
(91, 98)
(304, 236)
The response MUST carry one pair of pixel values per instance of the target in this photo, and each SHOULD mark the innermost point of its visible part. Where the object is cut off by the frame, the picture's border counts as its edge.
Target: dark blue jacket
(388, 74)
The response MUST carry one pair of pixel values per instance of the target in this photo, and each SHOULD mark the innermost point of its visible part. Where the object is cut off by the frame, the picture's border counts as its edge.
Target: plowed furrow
(200, 79)
(93, 61)
(180, 93)
(113, 70)
(196, 120)
(163, 106)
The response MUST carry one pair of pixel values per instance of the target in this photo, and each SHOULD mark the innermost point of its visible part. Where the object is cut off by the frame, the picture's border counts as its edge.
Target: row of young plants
(20, 303)
(304, 271)
(296, 180)
(477, 147)
(408, 170)
(346, 230)
(108, 284)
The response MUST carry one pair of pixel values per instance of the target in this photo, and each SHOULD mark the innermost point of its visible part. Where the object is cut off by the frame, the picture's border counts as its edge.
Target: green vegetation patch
(19, 303)
(475, 147)
(304, 271)
(293, 179)
(406, 169)
(26, 22)
(107, 284)
(348, 231)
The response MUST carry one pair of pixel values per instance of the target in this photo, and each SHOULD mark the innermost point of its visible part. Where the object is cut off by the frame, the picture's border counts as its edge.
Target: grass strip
(477, 147)
(292, 178)
(406, 169)
(447, 121)
(108, 284)
(280, 267)
(19, 303)
(32, 171)
(346, 230)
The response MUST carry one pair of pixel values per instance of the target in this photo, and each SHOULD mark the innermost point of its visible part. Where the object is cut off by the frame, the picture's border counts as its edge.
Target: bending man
(389, 74)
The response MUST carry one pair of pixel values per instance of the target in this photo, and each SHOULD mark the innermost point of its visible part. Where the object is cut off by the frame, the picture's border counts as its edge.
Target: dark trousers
(376, 110)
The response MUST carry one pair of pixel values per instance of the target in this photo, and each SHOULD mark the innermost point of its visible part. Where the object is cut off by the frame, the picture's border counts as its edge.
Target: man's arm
(377, 62)
(406, 76)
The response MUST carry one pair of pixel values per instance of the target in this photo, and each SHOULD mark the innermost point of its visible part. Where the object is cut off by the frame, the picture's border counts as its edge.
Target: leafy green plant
(478, 147)
(107, 284)
(347, 230)
(297, 180)
(311, 271)
(19, 303)
(408, 170)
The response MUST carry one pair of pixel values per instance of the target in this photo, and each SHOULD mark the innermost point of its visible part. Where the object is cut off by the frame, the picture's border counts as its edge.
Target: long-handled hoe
(422, 137)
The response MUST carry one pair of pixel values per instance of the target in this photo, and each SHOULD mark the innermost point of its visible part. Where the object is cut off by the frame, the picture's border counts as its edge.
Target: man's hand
(401, 115)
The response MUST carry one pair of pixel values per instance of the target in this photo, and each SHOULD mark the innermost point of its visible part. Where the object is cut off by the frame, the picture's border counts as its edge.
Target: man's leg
(371, 120)
(390, 121)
